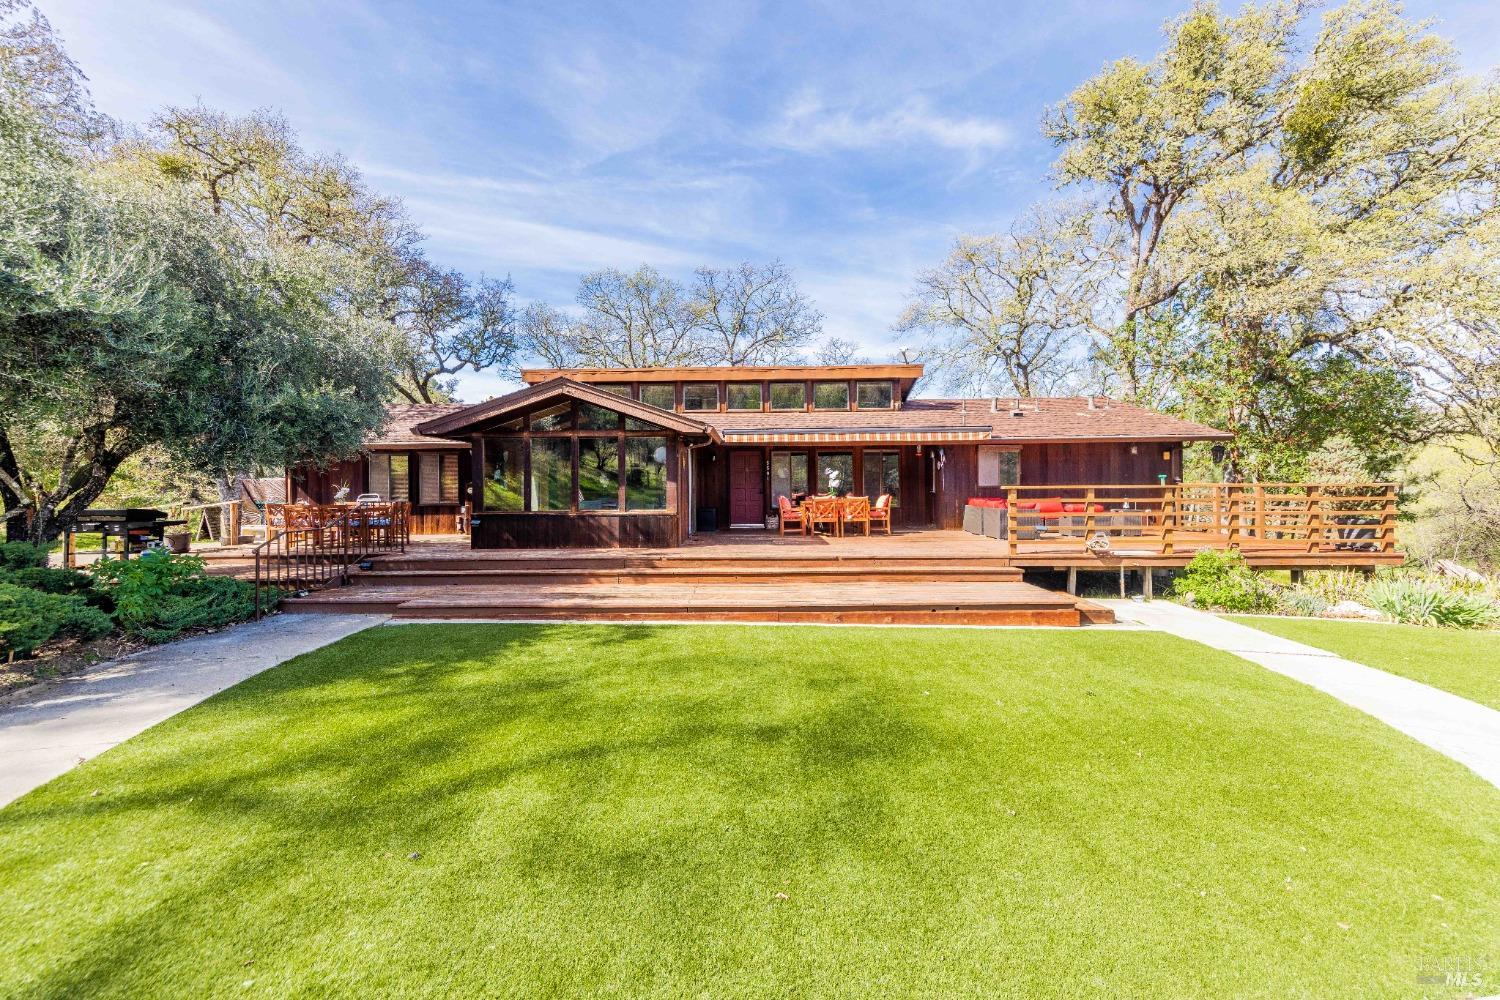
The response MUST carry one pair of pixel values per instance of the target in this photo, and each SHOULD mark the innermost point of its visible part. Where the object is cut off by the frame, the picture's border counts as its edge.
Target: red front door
(747, 490)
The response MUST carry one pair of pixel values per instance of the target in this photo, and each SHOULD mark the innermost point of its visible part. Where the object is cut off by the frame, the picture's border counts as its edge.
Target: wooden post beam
(1010, 522)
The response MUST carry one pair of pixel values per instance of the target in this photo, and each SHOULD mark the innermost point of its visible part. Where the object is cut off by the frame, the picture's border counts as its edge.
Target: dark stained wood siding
(566, 530)
(711, 482)
(310, 485)
(1084, 464)
(1103, 463)
(318, 485)
(711, 478)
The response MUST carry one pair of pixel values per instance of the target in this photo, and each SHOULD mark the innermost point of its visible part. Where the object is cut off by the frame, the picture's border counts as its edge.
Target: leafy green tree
(1282, 210)
(1148, 136)
(131, 317)
(252, 171)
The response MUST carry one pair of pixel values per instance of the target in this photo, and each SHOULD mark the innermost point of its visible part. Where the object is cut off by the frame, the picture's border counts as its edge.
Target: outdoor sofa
(987, 516)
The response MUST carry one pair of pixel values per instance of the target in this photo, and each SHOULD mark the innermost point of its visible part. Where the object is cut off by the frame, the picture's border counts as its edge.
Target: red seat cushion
(1049, 507)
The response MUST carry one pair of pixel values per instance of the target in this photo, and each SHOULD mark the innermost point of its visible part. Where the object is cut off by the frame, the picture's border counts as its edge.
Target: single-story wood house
(648, 456)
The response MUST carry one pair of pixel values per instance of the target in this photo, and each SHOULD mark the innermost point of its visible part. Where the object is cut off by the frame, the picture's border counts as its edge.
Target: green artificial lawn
(1467, 663)
(483, 810)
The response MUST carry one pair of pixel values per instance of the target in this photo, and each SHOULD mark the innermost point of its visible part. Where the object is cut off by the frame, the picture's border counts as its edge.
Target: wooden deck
(930, 578)
(911, 577)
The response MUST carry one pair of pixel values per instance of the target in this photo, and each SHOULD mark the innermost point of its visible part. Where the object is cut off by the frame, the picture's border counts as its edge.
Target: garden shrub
(29, 618)
(160, 595)
(1336, 585)
(52, 580)
(21, 555)
(1301, 602)
(1423, 602)
(1222, 581)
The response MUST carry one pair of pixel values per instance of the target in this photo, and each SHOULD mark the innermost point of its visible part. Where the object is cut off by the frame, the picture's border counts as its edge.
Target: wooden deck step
(490, 574)
(607, 562)
(960, 603)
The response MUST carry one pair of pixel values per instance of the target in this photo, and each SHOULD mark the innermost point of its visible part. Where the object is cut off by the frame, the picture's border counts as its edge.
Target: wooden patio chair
(276, 519)
(821, 510)
(856, 511)
(880, 513)
(790, 515)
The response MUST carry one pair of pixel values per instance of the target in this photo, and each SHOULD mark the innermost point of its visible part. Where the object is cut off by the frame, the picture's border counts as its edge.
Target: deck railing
(314, 546)
(1305, 517)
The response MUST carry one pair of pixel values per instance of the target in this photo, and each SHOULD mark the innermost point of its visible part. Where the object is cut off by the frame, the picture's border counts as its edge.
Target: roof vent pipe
(1091, 402)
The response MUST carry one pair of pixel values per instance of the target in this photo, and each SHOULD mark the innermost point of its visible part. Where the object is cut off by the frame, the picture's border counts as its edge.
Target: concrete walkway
(63, 724)
(1464, 730)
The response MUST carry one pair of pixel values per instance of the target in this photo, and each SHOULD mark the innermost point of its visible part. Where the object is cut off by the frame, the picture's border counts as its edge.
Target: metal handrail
(332, 539)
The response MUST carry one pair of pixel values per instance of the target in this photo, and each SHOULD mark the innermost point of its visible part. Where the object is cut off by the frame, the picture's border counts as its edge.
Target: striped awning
(863, 435)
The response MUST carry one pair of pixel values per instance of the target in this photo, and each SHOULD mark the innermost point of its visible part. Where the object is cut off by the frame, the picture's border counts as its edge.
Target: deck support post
(1122, 581)
(1168, 518)
(1296, 575)
(1314, 520)
(1148, 585)
(1011, 522)
(1388, 519)
(1234, 497)
(1073, 581)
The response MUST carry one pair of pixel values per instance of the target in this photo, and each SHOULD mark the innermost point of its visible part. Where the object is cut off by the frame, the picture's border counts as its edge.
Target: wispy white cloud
(808, 124)
(511, 242)
(146, 54)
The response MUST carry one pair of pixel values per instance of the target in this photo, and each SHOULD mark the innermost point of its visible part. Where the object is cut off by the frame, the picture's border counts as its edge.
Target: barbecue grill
(135, 527)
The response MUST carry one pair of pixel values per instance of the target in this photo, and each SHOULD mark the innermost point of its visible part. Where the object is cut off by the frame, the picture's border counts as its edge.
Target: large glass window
(551, 473)
(999, 467)
(618, 390)
(390, 476)
(788, 474)
(556, 418)
(504, 465)
(744, 396)
(598, 473)
(788, 395)
(830, 395)
(875, 395)
(700, 397)
(663, 397)
(597, 418)
(835, 472)
(882, 471)
(437, 477)
(646, 473)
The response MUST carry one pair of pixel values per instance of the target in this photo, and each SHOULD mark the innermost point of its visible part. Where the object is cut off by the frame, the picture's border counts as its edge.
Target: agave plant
(1422, 602)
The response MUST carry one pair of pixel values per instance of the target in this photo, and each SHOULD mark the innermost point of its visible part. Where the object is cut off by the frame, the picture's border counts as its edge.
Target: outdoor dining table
(840, 509)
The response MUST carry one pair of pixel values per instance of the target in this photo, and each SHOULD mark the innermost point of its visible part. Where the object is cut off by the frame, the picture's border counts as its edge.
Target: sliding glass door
(788, 474)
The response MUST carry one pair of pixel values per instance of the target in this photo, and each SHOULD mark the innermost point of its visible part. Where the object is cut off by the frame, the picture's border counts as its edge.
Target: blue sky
(851, 140)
